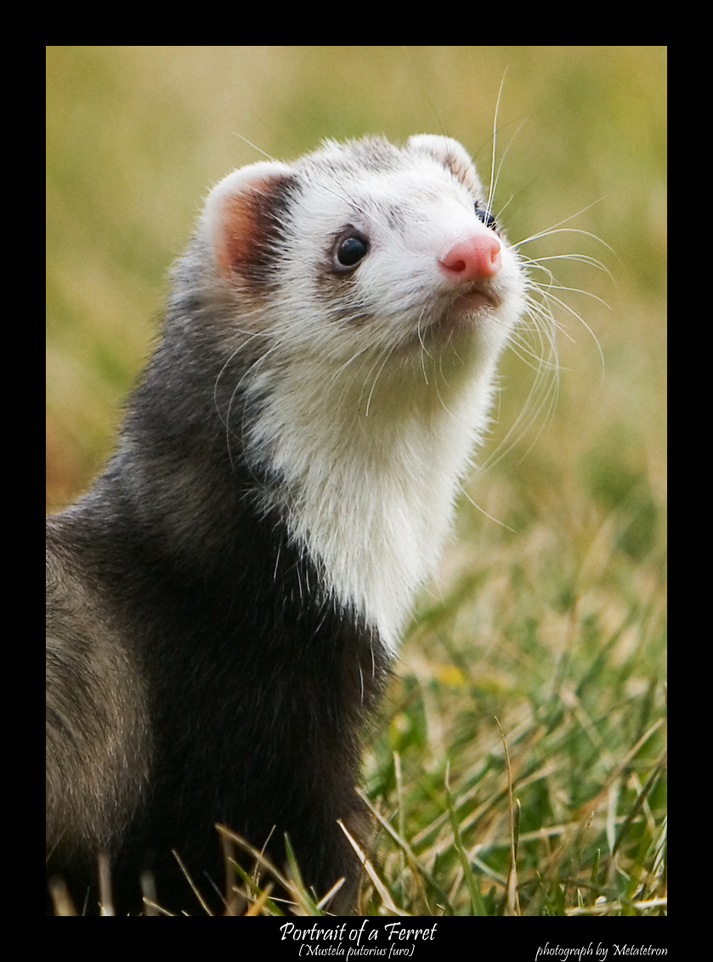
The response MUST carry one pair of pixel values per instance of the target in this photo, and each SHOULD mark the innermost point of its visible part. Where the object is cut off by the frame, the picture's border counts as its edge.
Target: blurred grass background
(552, 615)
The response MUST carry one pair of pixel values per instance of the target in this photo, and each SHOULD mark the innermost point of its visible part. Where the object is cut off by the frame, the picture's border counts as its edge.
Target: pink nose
(472, 259)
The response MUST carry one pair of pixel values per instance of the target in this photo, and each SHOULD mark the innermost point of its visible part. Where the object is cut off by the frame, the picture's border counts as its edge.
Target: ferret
(225, 604)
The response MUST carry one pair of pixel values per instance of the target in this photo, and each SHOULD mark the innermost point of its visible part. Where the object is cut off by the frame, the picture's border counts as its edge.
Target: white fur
(370, 419)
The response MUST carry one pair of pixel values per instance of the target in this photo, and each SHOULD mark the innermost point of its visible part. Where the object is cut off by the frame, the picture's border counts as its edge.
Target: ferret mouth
(475, 301)
(459, 316)
(465, 311)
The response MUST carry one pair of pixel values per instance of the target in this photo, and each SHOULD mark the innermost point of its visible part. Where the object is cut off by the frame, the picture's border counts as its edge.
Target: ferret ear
(451, 154)
(243, 216)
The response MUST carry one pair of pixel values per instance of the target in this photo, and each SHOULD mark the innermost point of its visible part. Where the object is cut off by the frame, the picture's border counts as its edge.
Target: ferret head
(365, 247)
(361, 297)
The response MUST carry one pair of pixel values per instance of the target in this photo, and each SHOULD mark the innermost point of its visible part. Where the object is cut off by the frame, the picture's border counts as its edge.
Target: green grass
(579, 695)
(548, 618)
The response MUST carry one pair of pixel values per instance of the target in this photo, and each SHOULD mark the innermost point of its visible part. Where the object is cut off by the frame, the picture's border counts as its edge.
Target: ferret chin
(225, 603)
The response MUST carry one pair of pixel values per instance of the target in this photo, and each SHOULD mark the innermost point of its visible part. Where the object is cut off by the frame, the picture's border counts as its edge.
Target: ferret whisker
(424, 352)
(479, 508)
(250, 335)
(501, 210)
(563, 305)
(577, 258)
(539, 316)
(493, 177)
(551, 231)
(383, 364)
(546, 292)
(530, 357)
(493, 188)
(237, 391)
(493, 153)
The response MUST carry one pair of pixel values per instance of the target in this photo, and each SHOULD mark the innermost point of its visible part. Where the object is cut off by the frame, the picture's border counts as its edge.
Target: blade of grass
(476, 900)
(512, 905)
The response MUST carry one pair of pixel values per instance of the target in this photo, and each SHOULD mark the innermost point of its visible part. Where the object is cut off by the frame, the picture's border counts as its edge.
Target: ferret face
(366, 247)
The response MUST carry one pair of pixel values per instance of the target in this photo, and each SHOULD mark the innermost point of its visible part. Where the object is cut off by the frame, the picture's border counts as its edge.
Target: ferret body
(225, 603)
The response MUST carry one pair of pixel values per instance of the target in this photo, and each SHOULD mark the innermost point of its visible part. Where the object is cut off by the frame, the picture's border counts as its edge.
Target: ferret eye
(485, 216)
(350, 251)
